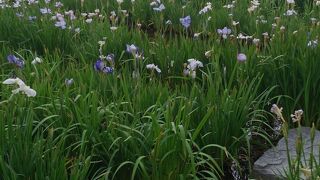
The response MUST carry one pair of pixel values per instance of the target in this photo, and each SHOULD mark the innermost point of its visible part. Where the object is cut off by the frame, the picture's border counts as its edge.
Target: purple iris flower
(15, 60)
(20, 63)
(45, 11)
(135, 51)
(12, 58)
(224, 32)
(241, 57)
(107, 70)
(99, 65)
(186, 21)
(110, 58)
(58, 4)
(132, 49)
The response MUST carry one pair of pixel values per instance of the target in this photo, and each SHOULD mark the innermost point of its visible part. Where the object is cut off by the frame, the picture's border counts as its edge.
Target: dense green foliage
(158, 125)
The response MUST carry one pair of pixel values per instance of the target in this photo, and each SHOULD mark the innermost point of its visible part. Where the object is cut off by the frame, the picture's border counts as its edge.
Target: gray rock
(274, 162)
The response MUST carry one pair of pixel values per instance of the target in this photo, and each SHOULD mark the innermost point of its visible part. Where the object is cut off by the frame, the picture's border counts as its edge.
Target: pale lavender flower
(16, 4)
(71, 15)
(131, 48)
(157, 6)
(110, 58)
(160, 8)
(290, 12)
(30, 2)
(241, 57)
(186, 21)
(134, 50)
(153, 67)
(61, 23)
(194, 64)
(69, 82)
(207, 8)
(191, 67)
(45, 11)
(186, 71)
(58, 4)
(224, 32)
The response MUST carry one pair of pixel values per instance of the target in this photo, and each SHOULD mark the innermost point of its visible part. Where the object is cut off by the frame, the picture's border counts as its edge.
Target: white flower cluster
(230, 6)
(254, 6)
(277, 111)
(290, 11)
(89, 16)
(290, 1)
(22, 87)
(36, 61)
(157, 5)
(297, 116)
(153, 67)
(207, 8)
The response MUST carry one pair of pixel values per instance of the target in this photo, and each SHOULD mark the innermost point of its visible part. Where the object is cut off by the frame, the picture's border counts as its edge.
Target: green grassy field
(170, 89)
